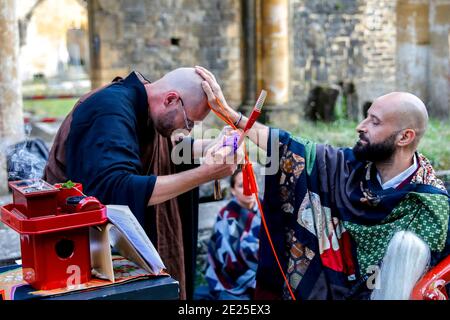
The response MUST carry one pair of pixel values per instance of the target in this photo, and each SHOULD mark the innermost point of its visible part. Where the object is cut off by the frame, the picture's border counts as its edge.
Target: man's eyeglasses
(189, 123)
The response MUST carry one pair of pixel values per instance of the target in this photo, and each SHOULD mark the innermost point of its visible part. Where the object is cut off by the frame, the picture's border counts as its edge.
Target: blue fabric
(233, 251)
(203, 293)
(102, 149)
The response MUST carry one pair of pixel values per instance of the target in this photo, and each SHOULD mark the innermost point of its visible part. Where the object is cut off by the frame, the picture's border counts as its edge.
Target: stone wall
(413, 41)
(342, 41)
(423, 52)
(155, 37)
(379, 28)
(377, 45)
(439, 59)
(46, 41)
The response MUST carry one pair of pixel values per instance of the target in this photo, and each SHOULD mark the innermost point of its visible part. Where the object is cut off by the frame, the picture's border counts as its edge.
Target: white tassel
(404, 263)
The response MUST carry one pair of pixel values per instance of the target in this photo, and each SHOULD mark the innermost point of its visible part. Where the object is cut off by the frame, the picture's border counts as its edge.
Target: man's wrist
(235, 116)
(236, 123)
(202, 173)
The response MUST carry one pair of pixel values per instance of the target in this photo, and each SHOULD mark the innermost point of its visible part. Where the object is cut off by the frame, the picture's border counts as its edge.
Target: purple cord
(232, 141)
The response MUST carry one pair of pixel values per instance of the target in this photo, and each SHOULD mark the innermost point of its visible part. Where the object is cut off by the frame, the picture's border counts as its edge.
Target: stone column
(105, 29)
(274, 54)
(413, 42)
(250, 45)
(439, 66)
(11, 114)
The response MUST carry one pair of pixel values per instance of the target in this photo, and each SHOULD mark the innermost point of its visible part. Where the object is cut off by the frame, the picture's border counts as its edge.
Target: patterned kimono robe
(331, 221)
(233, 250)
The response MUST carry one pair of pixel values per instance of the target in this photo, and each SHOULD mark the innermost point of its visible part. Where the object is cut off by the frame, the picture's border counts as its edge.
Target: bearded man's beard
(164, 124)
(375, 152)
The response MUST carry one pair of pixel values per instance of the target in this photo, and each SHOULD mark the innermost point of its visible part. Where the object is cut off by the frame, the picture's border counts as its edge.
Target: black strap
(357, 287)
(117, 79)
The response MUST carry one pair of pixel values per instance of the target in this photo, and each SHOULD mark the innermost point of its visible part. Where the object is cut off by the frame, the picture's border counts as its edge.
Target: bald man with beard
(117, 142)
(332, 212)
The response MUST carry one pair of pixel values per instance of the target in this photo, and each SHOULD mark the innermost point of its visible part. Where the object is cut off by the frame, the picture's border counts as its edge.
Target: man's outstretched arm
(258, 134)
(171, 186)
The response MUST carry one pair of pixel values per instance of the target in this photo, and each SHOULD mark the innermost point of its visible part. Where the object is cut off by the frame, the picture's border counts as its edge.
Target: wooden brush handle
(217, 190)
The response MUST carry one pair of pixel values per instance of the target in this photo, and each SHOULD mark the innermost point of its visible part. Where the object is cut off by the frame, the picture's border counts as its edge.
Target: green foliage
(340, 108)
(49, 108)
(68, 185)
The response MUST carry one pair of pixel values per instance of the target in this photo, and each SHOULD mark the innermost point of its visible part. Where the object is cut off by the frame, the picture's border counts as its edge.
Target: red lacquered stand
(432, 284)
(54, 244)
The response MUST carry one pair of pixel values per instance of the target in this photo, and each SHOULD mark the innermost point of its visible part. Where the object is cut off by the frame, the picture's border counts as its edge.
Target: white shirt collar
(395, 181)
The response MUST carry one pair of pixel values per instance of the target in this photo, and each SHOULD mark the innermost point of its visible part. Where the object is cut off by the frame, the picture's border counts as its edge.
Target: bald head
(407, 111)
(188, 84)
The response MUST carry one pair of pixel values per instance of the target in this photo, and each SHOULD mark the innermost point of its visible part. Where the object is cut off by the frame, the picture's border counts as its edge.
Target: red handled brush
(256, 112)
(248, 177)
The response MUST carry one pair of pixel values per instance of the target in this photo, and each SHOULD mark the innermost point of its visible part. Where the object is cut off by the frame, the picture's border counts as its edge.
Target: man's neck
(394, 166)
(147, 84)
(141, 78)
(148, 89)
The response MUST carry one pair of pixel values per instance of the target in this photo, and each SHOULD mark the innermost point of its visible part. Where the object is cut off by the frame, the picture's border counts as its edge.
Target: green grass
(49, 108)
(434, 145)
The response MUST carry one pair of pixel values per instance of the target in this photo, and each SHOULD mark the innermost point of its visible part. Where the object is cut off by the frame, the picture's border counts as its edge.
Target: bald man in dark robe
(117, 143)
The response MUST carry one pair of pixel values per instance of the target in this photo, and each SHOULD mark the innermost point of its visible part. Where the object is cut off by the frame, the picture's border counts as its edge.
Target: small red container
(34, 198)
(65, 193)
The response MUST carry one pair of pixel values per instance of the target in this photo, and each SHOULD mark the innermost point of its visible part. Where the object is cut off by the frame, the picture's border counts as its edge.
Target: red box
(65, 193)
(55, 247)
(34, 198)
(56, 260)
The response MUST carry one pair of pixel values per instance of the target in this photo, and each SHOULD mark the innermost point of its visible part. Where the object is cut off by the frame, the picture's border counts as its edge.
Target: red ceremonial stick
(256, 112)
(249, 185)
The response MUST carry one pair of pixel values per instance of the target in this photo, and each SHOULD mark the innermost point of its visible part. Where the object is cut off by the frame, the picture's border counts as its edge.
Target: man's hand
(212, 90)
(217, 171)
(222, 160)
(258, 134)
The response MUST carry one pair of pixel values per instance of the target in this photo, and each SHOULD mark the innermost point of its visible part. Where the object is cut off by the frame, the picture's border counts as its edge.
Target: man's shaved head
(177, 101)
(407, 110)
(395, 123)
(188, 84)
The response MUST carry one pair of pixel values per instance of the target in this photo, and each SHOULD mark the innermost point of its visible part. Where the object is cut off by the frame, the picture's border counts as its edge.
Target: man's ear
(407, 137)
(171, 98)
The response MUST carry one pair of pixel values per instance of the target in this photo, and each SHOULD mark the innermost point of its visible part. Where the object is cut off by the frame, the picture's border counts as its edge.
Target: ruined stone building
(287, 47)
(300, 51)
(294, 49)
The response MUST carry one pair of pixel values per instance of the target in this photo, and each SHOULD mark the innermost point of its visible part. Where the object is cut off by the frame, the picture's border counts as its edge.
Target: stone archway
(54, 41)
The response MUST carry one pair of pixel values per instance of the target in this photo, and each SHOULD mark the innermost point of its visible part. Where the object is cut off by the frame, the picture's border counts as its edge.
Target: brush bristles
(261, 99)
